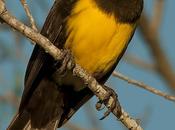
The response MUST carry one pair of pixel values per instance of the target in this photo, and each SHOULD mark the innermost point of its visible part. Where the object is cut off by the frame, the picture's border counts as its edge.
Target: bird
(96, 33)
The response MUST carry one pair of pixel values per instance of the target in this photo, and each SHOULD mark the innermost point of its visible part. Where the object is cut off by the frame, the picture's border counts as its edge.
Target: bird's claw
(67, 63)
(99, 105)
(115, 103)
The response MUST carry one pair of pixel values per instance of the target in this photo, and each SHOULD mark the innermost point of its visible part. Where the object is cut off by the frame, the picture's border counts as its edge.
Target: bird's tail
(49, 107)
(19, 122)
(42, 112)
(22, 122)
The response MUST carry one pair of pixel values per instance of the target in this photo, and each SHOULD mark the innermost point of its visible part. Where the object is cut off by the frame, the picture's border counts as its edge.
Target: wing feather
(40, 62)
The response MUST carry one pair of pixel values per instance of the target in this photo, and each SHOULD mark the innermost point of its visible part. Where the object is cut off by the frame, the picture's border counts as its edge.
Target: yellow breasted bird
(97, 33)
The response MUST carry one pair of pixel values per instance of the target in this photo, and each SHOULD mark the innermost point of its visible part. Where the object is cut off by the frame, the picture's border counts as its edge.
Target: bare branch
(30, 33)
(98, 90)
(29, 15)
(144, 86)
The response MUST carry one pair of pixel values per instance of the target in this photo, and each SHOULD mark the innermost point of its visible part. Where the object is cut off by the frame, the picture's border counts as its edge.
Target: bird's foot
(67, 63)
(115, 103)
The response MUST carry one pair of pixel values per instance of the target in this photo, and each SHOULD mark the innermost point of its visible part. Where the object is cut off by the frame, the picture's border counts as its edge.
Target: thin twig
(98, 90)
(143, 86)
(29, 15)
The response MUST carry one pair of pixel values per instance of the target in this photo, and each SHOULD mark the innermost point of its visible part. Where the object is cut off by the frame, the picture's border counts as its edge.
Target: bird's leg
(66, 64)
(115, 103)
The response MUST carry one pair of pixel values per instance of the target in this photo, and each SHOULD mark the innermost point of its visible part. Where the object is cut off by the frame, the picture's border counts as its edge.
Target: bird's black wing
(40, 62)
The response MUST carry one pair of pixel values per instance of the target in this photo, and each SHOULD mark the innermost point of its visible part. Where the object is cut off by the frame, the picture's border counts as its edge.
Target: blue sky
(154, 112)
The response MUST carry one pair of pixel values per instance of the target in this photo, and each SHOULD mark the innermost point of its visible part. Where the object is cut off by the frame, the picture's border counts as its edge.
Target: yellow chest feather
(96, 39)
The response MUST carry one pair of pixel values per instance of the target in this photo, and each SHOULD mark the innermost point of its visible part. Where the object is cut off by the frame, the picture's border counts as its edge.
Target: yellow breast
(96, 39)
